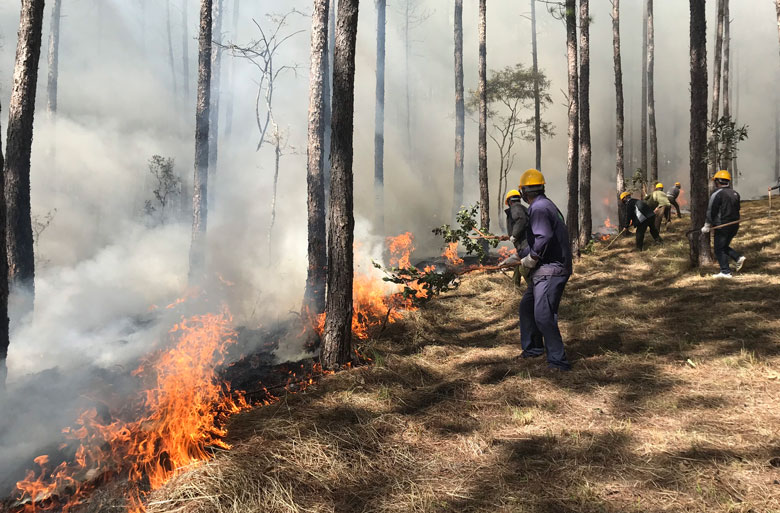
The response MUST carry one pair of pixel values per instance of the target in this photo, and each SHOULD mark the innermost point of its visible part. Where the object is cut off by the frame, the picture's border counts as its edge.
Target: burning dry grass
(672, 404)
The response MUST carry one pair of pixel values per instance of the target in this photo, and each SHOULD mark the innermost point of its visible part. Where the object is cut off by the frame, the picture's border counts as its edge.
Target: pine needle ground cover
(673, 403)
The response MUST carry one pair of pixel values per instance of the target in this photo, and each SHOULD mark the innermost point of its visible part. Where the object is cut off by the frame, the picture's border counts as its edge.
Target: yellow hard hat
(659, 185)
(624, 195)
(510, 194)
(531, 177)
(677, 184)
(722, 175)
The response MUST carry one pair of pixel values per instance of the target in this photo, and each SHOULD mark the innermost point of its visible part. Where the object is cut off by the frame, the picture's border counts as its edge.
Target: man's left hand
(528, 261)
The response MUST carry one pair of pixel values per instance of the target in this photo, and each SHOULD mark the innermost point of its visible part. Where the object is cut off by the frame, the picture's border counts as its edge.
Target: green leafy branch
(467, 221)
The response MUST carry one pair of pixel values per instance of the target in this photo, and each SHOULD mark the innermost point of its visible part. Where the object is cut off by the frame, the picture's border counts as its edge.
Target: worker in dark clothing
(724, 208)
(548, 257)
(516, 220)
(672, 194)
(642, 217)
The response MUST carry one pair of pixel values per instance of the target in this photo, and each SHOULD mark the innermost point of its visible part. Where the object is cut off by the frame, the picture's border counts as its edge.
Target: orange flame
(451, 254)
(175, 420)
(609, 224)
(505, 252)
(401, 248)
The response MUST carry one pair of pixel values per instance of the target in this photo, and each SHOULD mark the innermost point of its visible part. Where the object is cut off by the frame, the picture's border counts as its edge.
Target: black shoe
(526, 355)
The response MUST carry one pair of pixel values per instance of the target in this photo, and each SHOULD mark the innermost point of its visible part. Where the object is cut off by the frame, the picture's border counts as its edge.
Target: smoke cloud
(102, 266)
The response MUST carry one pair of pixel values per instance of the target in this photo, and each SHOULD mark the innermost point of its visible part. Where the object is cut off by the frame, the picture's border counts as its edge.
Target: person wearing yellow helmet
(723, 208)
(642, 217)
(658, 201)
(672, 195)
(548, 257)
(516, 220)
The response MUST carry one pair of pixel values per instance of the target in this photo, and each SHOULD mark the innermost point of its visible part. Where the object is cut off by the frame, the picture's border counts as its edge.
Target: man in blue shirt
(548, 257)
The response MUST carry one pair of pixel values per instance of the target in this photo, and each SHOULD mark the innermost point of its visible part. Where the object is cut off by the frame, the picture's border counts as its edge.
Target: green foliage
(510, 90)
(429, 282)
(467, 219)
(167, 186)
(726, 136)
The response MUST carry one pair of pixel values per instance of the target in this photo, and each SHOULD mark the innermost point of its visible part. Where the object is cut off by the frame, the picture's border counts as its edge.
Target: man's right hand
(706, 228)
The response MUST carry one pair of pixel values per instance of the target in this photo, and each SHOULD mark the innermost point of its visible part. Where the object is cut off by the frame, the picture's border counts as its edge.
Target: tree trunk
(643, 123)
(379, 120)
(54, 58)
(586, 221)
(21, 111)
(460, 113)
(314, 298)
(777, 142)
(231, 95)
(275, 188)
(337, 340)
(699, 243)
(726, 164)
(216, 67)
(484, 193)
(572, 172)
(200, 181)
(185, 51)
(620, 182)
(408, 95)
(537, 100)
(715, 107)
(651, 95)
(4, 337)
(327, 92)
(777, 7)
(170, 47)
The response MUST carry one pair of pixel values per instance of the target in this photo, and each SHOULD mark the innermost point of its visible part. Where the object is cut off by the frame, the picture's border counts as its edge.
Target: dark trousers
(676, 205)
(642, 228)
(539, 320)
(721, 245)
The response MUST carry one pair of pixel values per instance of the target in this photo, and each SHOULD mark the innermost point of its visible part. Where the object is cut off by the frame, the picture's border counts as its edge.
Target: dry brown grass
(673, 403)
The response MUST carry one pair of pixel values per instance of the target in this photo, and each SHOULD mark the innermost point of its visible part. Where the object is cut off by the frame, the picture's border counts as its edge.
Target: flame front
(451, 254)
(174, 422)
(401, 248)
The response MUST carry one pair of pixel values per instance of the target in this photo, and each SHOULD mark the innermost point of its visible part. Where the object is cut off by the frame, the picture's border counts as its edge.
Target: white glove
(528, 261)
(512, 239)
(706, 228)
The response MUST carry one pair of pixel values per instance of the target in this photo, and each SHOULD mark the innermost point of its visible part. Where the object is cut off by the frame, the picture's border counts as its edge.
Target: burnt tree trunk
(185, 51)
(216, 67)
(54, 58)
(699, 243)
(651, 96)
(537, 99)
(314, 298)
(337, 336)
(484, 193)
(460, 113)
(4, 336)
(620, 174)
(170, 48)
(231, 94)
(379, 119)
(21, 111)
(586, 221)
(201, 178)
(572, 172)
(716, 76)
(726, 164)
(643, 121)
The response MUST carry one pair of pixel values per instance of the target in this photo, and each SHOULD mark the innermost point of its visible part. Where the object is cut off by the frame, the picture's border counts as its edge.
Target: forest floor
(673, 403)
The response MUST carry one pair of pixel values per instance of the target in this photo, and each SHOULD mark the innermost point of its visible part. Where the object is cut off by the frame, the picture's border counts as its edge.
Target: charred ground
(671, 406)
